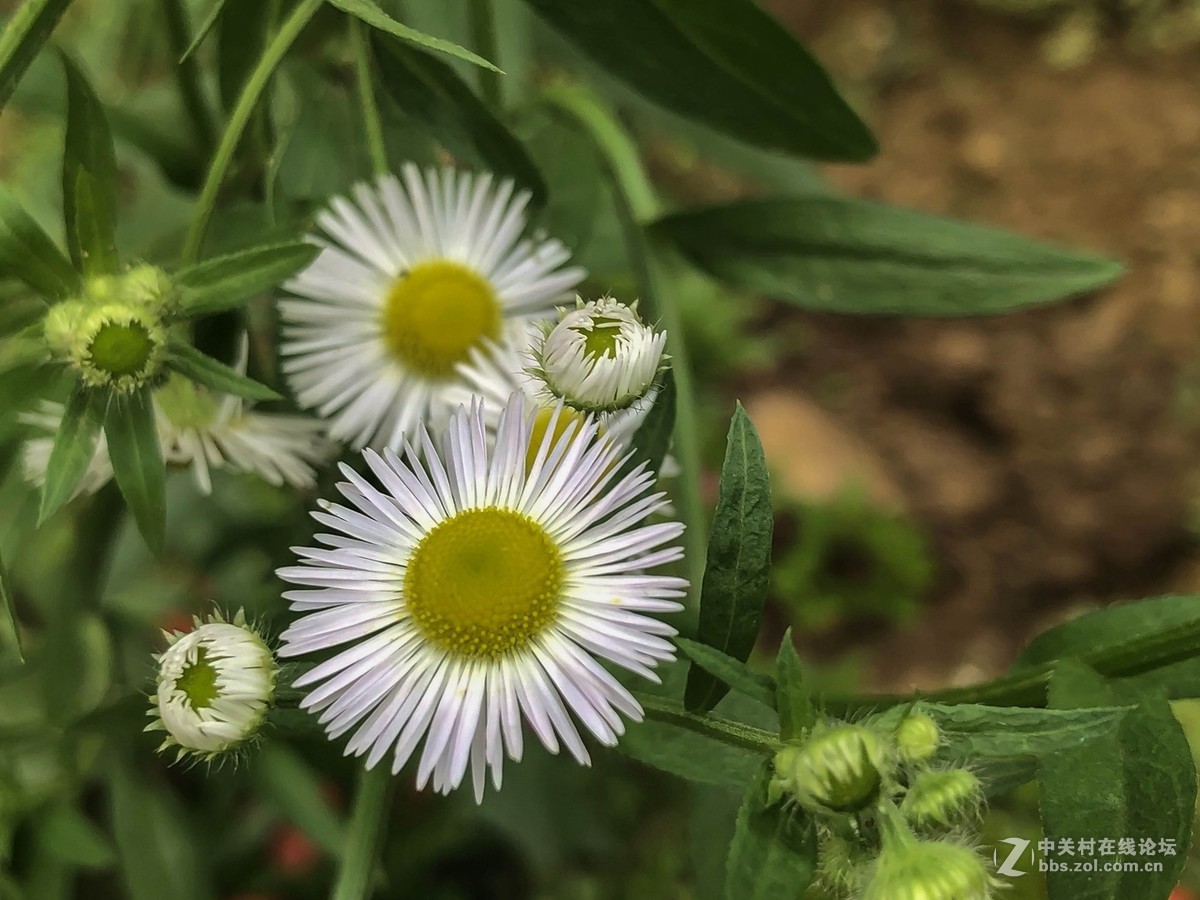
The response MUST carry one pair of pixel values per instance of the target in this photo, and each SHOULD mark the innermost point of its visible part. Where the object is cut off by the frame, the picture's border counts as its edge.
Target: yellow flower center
(484, 582)
(435, 313)
(541, 422)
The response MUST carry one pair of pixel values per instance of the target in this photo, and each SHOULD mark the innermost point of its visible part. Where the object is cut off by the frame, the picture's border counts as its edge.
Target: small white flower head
(474, 589)
(415, 273)
(600, 357)
(214, 687)
(114, 335)
(202, 431)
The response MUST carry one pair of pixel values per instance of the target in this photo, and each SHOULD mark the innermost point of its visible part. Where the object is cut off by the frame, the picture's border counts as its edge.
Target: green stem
(279, 44)
(366, 97)
(734, 734)
(483, 37)
(636, 203)
(20, 41)
(365, 835)
(187, 73)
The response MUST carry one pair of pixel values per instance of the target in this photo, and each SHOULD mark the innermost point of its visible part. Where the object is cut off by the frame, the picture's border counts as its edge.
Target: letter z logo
(1019, 845)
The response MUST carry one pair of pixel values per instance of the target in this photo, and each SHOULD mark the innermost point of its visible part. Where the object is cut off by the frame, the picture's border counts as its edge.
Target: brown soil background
(1051, 454)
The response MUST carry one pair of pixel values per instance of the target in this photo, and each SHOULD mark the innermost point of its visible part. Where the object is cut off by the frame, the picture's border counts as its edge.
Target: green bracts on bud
(838, 768)
(928, 870)
(942, 799)
(917, 738)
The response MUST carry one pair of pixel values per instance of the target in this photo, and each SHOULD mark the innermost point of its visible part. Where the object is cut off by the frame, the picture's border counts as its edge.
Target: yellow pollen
(435, 313)
(484, 583)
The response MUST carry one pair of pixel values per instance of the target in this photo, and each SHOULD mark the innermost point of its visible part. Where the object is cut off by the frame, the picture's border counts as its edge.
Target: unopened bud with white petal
(600, 357)
(215, 685)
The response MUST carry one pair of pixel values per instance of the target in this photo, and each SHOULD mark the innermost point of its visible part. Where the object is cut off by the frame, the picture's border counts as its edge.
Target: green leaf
(295, 788)
(10, 632)
(22, 38)
(1137, 782)
(370, 13)
(137, 463)
(774, 849)
(228, 281)
(653, 437)
(729, 671)
(89, 178)
(27, 253)
(70, 836)
(203, 31)
(74, 448)
(792, 699)
(431, 91)
(739, 559)
(992, 732)
(191, 363)
(724, 62)
(690, 756)
(159, 847)
(852, 256)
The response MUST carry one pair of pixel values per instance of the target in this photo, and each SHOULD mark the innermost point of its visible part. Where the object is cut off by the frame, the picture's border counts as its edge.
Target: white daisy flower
(413, 274)
(600, 357)
(477, 587)
(201, 431)
(214, 687)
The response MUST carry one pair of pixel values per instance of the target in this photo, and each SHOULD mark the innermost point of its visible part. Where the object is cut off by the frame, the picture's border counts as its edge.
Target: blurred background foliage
(88, 810)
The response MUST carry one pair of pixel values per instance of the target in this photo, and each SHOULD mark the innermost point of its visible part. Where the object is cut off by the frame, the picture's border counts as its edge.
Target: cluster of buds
(890, 816)
(114, 334)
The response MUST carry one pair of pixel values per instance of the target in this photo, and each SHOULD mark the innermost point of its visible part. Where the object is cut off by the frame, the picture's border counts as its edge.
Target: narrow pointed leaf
(430, 90)
(10, 633)
(28, 254)
(774, 848)
(191, 363)
(652, 439)
(738, 562)
(840, 254)
(370, 13)
(722, 62)
(74, 447)
(732, 672)
(792, 699)
(204, 30)
(89, 178)
(137, 463)
(22, 38)
(228, 281)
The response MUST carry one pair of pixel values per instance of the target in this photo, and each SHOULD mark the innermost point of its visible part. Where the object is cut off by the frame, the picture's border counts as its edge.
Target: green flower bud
(119, 347)
(928, 870)
(942, 799)
(837, 769)
(917, 738)
(839, 864)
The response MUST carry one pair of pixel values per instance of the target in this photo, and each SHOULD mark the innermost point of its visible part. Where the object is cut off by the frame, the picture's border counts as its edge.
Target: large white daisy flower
(413, 274)
(201, 431)
(476, 587)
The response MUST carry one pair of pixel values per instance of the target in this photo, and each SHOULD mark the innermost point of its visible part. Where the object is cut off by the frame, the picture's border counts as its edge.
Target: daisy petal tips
(470, 590)
(415, 272)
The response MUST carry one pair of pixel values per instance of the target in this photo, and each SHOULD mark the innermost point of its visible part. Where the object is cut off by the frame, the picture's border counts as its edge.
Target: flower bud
(917, 738)
(837, 769)
(928, 870)
(942, 799)
(214, 687)
(600, 357)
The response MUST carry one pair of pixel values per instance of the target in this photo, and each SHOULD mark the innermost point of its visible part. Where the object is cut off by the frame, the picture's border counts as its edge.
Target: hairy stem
(368, 822)
(733, 733)
(372, 124)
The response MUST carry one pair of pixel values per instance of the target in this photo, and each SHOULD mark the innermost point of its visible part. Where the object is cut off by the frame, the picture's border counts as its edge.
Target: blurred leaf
(774, 849)
(988, 732)
(27, 253)
(203, 369)
(652, 439)
(724, 62)
(739, 559)
(295, 788)
(228, 281)
(89, 178)
(1137, 782)
(852, 256)
(10, 633)
(431, 91)
(369, 12)
(22, 38)
(76, 664)
(137, 463)
(729, 671)
(792, 699)
(70, 836)
(205, 28)
(158, 847)
(241, 35)
(690, 756)
(74, 447)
